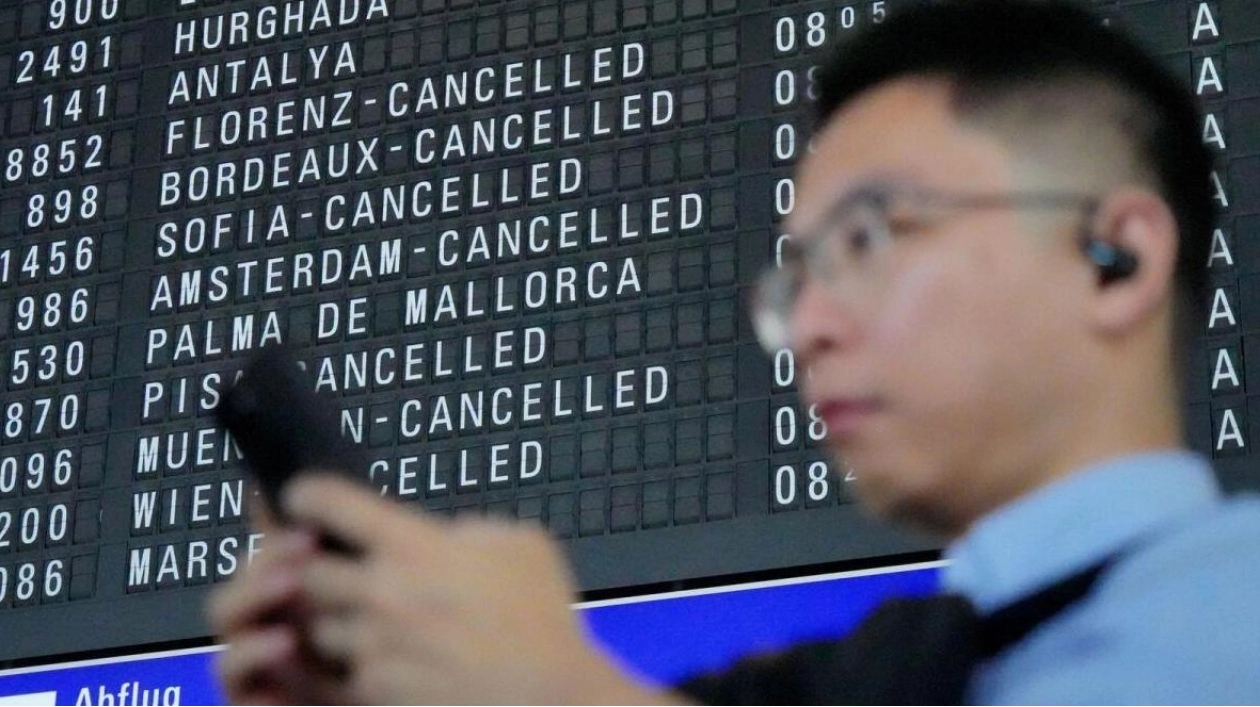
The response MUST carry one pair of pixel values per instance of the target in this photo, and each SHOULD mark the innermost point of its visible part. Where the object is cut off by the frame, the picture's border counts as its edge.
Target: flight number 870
(41, 417)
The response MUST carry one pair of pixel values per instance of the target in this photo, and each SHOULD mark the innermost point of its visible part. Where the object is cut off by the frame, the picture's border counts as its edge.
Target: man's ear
(1141, 223)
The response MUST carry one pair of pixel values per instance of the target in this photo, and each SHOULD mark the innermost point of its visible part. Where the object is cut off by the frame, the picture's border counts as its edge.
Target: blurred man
(999, 243)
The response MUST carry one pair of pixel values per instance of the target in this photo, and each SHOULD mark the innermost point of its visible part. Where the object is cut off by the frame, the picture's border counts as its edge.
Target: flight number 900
(79, 13)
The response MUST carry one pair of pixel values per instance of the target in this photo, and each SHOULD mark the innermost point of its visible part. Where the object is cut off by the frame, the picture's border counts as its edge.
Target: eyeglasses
(850, 255)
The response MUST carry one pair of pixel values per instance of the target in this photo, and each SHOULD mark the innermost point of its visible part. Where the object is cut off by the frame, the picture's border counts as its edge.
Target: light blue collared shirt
(1175, 620)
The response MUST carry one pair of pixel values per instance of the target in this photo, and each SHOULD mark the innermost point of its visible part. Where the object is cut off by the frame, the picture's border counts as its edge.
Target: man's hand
(437, 612)
(260, 614)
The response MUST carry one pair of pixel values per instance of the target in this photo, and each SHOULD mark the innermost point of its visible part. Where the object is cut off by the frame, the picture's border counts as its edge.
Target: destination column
(248, 120)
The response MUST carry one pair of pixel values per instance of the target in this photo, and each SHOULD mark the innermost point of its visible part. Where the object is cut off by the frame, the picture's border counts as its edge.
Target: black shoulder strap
(1010, 624)
(909, 651)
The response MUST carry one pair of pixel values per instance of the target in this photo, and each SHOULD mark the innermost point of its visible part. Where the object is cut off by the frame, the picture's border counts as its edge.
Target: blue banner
(662, 638)
(176, 678)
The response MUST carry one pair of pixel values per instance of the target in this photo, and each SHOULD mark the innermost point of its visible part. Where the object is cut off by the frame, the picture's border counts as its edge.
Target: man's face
(944, 388)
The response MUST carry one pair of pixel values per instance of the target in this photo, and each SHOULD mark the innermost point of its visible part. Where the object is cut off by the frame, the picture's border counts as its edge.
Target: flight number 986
(53, 311)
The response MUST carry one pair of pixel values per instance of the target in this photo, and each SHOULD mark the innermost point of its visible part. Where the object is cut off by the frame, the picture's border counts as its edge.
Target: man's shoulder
(1175, 619)
(1193, 588)
(1209, 553)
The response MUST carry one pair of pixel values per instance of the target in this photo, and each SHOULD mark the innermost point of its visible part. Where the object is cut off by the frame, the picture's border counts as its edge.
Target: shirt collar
(1073, 522)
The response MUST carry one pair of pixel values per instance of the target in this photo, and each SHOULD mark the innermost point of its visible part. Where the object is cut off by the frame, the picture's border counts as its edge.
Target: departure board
(513, 240)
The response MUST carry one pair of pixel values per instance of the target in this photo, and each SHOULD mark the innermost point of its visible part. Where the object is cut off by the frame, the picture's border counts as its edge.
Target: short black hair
(995, 50)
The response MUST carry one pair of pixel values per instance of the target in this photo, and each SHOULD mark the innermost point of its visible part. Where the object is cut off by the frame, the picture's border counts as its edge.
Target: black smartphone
(283, 428)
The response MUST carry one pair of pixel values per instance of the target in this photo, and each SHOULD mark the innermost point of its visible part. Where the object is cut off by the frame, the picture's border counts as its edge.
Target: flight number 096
(37, 468)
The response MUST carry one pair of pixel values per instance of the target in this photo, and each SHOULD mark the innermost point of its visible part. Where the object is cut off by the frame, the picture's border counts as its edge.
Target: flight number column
(63, 150)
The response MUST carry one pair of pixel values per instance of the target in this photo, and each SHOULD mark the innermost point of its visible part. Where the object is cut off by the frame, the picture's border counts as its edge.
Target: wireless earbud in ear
(1114, 263)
